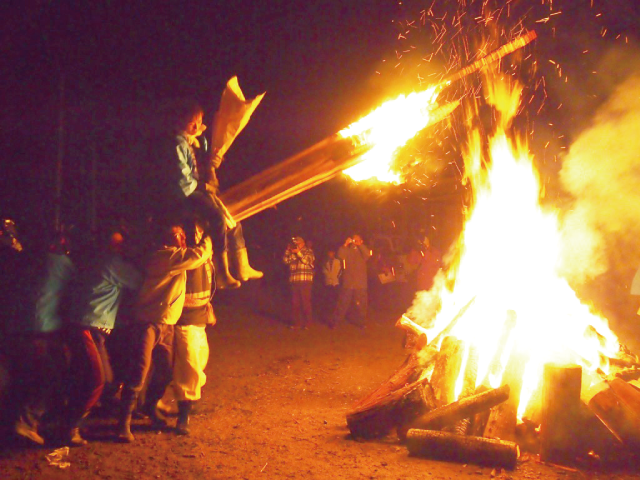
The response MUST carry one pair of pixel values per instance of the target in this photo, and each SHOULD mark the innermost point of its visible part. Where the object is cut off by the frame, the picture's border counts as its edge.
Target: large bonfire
(507, 260)
(499, 315)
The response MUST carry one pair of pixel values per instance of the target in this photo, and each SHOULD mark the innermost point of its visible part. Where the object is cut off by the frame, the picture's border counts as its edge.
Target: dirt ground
(273, 407)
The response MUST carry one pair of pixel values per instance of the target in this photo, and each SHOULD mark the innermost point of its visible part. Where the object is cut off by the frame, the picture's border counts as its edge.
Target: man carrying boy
(180, 184)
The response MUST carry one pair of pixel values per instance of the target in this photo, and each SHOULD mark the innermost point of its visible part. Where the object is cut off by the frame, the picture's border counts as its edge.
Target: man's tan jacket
(162, 294)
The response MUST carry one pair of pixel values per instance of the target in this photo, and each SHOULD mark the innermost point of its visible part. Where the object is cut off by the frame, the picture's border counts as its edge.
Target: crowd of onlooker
(83, 323)
(112, 322)
(347, 273)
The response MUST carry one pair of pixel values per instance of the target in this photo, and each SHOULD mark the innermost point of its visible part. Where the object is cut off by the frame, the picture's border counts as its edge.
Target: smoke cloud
(602, 173)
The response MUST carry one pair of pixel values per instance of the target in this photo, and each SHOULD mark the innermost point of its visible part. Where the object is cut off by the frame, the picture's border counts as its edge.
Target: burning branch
(494, 56)
(307, 169)
(331, 156)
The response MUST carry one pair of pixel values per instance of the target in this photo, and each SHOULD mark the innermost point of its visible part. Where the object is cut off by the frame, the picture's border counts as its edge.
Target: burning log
(495, 367)
(503, 418)
(446, 369)
(416, 403)
(618, 408)
(382, 405)
(448, 446)
(418, 333)
(479, 420)
(560, 411)
(502, 422)
(378, 419)
(463, 408)
(307, 169)
(405, 323)
(463, 426)
(432, 350)
(470, 372)
(595, 436)
(407, 373)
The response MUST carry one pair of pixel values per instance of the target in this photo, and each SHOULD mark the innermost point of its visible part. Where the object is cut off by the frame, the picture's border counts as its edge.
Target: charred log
(560, 412)
(377, 419)
(448, 446)
(452, 413)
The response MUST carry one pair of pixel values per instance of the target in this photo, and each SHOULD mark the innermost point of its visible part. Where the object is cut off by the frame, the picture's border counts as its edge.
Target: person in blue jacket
(34, 285)
(96, 300)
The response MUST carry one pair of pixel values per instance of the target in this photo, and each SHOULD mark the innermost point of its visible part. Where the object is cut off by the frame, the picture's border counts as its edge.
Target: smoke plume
(602, 173)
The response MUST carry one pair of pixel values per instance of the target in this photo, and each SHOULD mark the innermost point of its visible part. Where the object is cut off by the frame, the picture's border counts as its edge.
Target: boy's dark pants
(205, 208)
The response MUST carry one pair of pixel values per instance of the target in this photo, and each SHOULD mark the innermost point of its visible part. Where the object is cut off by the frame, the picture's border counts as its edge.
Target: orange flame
(387, 129)
(508, 257)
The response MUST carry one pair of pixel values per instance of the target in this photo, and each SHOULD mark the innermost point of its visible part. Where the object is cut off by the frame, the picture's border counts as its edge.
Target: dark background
(323, 64)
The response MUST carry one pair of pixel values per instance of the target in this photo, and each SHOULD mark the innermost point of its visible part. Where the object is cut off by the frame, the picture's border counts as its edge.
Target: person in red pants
(98, 294)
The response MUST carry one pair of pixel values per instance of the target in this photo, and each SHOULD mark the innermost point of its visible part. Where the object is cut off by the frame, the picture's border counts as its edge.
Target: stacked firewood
(567, 423)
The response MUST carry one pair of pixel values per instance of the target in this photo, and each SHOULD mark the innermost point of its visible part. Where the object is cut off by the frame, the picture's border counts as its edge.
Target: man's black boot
(127, 405)
(184, 409)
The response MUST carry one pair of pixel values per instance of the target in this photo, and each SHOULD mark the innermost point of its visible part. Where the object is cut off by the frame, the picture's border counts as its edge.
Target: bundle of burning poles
(353, 146)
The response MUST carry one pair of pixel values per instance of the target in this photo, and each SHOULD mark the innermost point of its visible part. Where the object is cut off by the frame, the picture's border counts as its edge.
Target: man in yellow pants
(191, 346)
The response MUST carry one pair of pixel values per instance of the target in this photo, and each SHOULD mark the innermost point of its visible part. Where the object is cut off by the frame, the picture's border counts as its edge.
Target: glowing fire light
(387, 129)
(507, 258)
(390, 126)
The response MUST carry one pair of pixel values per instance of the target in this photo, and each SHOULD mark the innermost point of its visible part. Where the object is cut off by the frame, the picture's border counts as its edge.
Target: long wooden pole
(298, 173)
(329, 157)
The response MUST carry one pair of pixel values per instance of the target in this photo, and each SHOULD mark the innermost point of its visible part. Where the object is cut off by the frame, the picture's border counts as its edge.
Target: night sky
(322, 64)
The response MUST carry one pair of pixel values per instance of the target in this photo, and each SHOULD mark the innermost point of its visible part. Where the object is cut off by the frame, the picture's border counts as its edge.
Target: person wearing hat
(300, 259)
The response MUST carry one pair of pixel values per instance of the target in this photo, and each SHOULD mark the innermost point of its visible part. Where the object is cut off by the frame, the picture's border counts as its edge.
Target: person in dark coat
(354, 255)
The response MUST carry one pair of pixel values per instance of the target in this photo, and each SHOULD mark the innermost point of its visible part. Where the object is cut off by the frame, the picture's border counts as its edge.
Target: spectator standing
(354, 255)
(331, 270)
(300, 260)
(157, 310)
